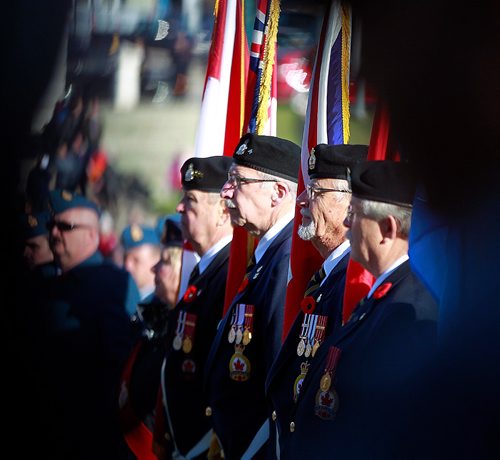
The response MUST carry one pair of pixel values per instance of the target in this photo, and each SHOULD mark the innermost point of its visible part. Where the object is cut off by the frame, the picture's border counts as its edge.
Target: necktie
(194, 274)
(315, 282)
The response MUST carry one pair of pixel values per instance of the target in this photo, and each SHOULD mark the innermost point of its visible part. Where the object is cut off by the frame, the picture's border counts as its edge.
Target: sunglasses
(63, 226)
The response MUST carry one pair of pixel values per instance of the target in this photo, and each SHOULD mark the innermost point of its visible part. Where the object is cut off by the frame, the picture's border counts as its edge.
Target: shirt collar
(334, 258)
(271, 234)
(212, 252)
(385, 274)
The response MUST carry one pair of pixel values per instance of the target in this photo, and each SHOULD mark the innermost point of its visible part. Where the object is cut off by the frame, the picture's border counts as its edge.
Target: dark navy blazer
(286, 368)
(183, 375)
(239, 408)
(385, 348)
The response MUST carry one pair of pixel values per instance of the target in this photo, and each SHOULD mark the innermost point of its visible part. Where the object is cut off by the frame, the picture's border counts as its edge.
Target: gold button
(292, 427)
(167, 437)
(208, 411)
(273, 415)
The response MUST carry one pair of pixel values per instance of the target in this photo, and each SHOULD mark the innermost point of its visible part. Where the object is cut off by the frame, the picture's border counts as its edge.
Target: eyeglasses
(313, 191)
(351, 213)
(238, 181)
(63, 226)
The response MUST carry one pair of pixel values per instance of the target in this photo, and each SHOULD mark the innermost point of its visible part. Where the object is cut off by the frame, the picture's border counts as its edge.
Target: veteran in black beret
(88, 336)
(206, 225)
(323, 206)
(260, 192)
(366, 375)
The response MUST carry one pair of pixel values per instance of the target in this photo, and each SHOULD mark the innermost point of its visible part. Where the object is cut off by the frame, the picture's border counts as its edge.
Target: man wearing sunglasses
(88, 336)
(260, 193)
(323, 206)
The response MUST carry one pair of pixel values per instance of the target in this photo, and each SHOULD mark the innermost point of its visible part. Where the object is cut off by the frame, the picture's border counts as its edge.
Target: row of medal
(312, 334)
(240, 334)
(184, 332)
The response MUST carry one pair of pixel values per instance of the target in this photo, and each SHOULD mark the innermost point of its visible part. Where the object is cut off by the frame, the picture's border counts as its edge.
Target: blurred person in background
(141, 247)
(87, 338)
(141, 375)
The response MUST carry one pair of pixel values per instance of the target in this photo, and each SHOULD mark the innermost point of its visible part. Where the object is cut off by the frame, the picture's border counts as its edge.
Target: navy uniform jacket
(385, 347)
(287, 367)
(183, 374)
(239, 408)
(88, 338)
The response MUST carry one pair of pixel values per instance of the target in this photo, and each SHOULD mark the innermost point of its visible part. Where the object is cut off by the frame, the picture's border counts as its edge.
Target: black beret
(207, 174)
(269, 154)
(387, 181)
(335, 161)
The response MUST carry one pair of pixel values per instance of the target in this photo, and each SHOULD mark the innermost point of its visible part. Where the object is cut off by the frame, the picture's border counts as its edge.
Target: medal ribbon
(249, 309)
(311, 329)
(190, 325)
(181, 321)
(319, 335)
(332, 359)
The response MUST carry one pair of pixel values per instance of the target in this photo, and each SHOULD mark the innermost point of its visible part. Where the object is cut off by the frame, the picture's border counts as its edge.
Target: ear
(280, 192)
(222, 213)
(388, 229)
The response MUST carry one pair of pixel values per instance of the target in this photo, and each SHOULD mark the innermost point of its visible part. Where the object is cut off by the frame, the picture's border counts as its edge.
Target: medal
(327, 400)
(188, 366)
(301, 347)
(319, 334)
(308, 351)
(179, 331)
(239, 335)
(297, 385)
(189, 330)
(232, 335)
(177, 343)
(326, 404)
(247, 333)
(187, 345)
(239, 365)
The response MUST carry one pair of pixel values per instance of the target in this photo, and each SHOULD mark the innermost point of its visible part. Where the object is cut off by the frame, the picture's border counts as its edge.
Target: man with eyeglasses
(88, 336)
(366, 375)
(323, 206)
(260, 193)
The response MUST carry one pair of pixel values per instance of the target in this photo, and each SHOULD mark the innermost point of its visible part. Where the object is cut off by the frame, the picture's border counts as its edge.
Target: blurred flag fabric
(260, 118)
(327, 121)
(223, 102)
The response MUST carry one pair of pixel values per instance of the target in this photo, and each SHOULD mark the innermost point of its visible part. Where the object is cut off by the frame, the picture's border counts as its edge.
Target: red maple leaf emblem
(308, 304)
(326, 399)
(190, 294)
(382, 290)
(239, 365)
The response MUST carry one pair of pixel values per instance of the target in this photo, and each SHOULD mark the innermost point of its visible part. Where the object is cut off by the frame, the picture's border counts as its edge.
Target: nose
(303, 200)
(180, 207)
(226, 190)
(154, 268)
(347, 221)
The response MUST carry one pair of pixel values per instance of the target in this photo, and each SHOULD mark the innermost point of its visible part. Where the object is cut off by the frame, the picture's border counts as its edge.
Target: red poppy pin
(308, 304)
(382, 290)
(190, 293)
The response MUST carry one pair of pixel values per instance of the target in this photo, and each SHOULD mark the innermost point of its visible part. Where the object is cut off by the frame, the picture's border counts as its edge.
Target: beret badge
(66, 196)
(191, 174)
(242, 148)
(32, 221)
(136, 233)
(312, 159)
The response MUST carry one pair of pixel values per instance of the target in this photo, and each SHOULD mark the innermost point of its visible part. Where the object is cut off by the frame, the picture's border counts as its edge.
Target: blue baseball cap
(61, 200)
(136, 235)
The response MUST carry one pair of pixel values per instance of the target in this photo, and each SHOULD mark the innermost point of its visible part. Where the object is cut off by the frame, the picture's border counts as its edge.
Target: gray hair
(292, 186)
(378, 210)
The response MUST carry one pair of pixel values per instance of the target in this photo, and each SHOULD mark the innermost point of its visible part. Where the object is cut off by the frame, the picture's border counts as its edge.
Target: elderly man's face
(199, 215)
(323, 212)
(72, 236)
(248, 202)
